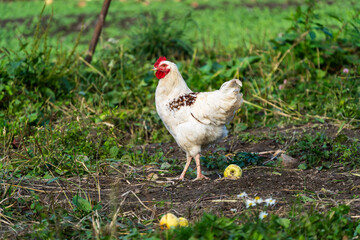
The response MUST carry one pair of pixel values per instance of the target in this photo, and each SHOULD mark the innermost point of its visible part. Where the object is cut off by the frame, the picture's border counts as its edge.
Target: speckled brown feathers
(183, 100)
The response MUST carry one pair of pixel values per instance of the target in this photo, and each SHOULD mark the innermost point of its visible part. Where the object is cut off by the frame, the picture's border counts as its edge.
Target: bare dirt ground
(127, 189)
(191, 199)
(146, 200)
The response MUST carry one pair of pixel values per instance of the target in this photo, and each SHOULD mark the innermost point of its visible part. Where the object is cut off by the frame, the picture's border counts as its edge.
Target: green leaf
(114, 151)
(9, 90)
(312, 35)
(327, 32)
(357, 231)
(283, 222)
(165, 165)
(52, 180)
(306, 199)
(342, 138)
(303, 166)
(33, 117)
(320, 73)
(81, 203)
(49, 93)
(320, 120)
(97, 207)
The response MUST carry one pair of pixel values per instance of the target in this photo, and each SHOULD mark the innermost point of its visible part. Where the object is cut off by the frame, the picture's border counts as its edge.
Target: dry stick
(114, 218)
(283, 149)
(91, 66)
(142, 203)
(8, 222)
(225, 200)
(333, 119)
(127, 193)
(266, 152)
(96, 225)
(268, 110)
(275, 106)
(28, 188)
(98, 28)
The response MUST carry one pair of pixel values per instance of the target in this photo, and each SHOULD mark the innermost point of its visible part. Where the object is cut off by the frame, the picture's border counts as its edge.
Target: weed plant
(324, 151)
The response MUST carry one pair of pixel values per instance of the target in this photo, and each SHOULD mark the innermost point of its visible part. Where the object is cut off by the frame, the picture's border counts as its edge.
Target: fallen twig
(280, 151)
(224, 200)
(125, 194)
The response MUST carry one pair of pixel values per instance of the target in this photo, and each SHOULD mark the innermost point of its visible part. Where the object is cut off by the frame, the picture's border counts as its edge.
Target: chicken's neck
(171, 86)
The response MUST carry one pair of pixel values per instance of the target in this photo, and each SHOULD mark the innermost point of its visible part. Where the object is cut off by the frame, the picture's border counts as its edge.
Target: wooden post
(97, 32)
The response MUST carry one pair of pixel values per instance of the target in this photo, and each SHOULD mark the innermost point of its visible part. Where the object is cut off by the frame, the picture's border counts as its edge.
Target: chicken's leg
(188, 161)
(200, 176)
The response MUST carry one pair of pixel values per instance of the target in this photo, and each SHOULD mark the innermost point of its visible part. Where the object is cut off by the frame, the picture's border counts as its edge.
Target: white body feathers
(195, 120)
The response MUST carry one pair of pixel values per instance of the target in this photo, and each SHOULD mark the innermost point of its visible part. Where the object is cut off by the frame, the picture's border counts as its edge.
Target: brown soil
(137, 197)
(191, 199)
(128, 189)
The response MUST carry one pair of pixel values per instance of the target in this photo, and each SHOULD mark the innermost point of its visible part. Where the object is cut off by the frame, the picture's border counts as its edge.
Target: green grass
(335, 224)
(320, 149)
(217, 25)
(61, 119)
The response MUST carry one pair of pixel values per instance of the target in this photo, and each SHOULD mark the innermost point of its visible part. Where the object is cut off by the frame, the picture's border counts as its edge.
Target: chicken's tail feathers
(235, 84)
(219, 107)
(229, 99)
(236, 81)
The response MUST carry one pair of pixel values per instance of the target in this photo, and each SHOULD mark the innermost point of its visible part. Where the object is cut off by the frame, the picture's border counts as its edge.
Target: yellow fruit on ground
(169, 220)
(233, 171)
(183, 222)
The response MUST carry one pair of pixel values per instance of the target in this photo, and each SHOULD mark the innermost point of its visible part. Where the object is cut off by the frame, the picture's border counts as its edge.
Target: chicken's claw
(201, 177)
(181, 178)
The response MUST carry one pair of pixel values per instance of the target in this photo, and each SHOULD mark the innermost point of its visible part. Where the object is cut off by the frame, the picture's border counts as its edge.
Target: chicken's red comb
(159, 61)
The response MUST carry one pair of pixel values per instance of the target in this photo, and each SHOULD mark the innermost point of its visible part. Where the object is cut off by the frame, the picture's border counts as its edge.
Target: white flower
(250, 203)
(258, 200)
(234, 210)
(263, 215)
(270, 201)
(242, 195)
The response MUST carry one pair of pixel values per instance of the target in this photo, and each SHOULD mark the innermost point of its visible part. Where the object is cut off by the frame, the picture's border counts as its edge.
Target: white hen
(194, 119)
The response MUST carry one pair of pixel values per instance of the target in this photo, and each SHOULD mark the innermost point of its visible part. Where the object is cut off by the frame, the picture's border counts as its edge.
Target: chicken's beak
(154, 69)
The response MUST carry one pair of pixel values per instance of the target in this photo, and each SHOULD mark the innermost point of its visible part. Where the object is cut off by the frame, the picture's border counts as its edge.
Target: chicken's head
(161, 67)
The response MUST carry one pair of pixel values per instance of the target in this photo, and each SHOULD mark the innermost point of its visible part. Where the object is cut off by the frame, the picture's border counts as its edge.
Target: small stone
(288, 162)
